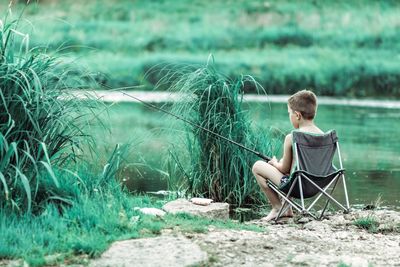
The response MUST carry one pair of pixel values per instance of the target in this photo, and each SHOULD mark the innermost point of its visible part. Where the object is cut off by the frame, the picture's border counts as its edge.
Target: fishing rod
(266, 158)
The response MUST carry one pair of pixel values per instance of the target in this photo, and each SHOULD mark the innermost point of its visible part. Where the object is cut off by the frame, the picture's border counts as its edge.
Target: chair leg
(345, 194)
(320, 194)
(285, 201)
(306, 212)
(282, 209)
(301, 194)
(326, 194)
(327, 201)
(286, 197)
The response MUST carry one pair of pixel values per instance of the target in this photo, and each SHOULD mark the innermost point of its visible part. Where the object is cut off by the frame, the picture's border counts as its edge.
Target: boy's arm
(285, 164)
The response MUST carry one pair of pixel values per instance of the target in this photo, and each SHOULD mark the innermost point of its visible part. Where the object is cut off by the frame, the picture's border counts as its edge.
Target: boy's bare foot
(289, 213)
(271, 216)
(274, 213)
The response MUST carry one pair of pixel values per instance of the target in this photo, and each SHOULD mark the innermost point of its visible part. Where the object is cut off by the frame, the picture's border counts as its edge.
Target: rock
(201, 201)
(151, 211)
(342, 235)
(14, 263)
(157, 251)
(215, 210)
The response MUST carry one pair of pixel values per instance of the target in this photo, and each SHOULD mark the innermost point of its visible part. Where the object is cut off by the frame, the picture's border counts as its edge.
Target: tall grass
(218, 169)
(41, 125)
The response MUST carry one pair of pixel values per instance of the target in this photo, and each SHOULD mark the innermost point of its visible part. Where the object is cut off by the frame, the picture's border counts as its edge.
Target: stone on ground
(151, 211)
(215, 210)
(157, 251)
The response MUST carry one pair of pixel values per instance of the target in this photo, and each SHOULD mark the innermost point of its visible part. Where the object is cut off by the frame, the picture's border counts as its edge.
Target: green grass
(342, 264)
(217, 169)
(90, 226)
(372, 225)
(369, 223)
(337, 48)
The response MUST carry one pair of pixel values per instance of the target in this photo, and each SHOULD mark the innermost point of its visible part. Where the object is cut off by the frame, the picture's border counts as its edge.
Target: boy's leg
(264, 172)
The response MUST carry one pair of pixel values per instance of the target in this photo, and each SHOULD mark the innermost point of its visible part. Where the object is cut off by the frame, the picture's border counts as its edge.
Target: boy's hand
(273, 161)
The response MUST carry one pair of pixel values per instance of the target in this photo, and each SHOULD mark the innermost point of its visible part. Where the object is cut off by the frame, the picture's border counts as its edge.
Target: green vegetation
(369, 223)
(41, 126)
(218, 169)
(342, 48)
(372, 225)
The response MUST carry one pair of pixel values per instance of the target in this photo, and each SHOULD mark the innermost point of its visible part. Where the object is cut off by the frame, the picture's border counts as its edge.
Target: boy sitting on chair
(302, 107)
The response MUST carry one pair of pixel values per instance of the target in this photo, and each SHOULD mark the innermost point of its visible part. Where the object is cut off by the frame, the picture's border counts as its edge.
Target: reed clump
(217, 169)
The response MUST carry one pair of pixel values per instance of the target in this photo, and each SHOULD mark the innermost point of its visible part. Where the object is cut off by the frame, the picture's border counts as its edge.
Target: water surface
(368, 139)
(369, 145)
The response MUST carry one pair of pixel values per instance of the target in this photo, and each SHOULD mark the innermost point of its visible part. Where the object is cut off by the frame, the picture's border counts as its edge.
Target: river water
(369, 141)
(368, 135)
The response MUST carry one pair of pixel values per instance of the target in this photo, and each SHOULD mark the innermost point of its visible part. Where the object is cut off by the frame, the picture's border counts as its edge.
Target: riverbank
(164, 97)
(361, 238)
(338, 240)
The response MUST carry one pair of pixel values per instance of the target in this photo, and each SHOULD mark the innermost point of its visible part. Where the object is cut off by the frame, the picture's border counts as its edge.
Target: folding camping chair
(313, 173)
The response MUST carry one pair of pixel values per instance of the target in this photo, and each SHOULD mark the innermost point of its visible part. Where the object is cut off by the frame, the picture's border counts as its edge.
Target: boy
(302, 107)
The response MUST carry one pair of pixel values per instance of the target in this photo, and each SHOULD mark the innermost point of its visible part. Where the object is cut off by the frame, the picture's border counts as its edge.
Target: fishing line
(266, 158)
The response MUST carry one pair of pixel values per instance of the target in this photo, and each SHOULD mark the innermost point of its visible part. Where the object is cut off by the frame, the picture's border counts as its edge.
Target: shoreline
(162, 97)
(359, 238)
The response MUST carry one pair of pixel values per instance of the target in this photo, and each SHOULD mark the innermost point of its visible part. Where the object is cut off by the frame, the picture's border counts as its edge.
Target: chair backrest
(314, 152)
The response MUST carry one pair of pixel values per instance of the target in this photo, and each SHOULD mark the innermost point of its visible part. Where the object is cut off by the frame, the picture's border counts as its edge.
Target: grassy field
(343, 48)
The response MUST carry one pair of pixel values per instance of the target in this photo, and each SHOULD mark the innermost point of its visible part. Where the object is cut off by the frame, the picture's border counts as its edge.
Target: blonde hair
(305, 102)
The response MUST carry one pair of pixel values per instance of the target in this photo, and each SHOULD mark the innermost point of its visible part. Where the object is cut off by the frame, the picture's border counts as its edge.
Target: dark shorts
(284, 180)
